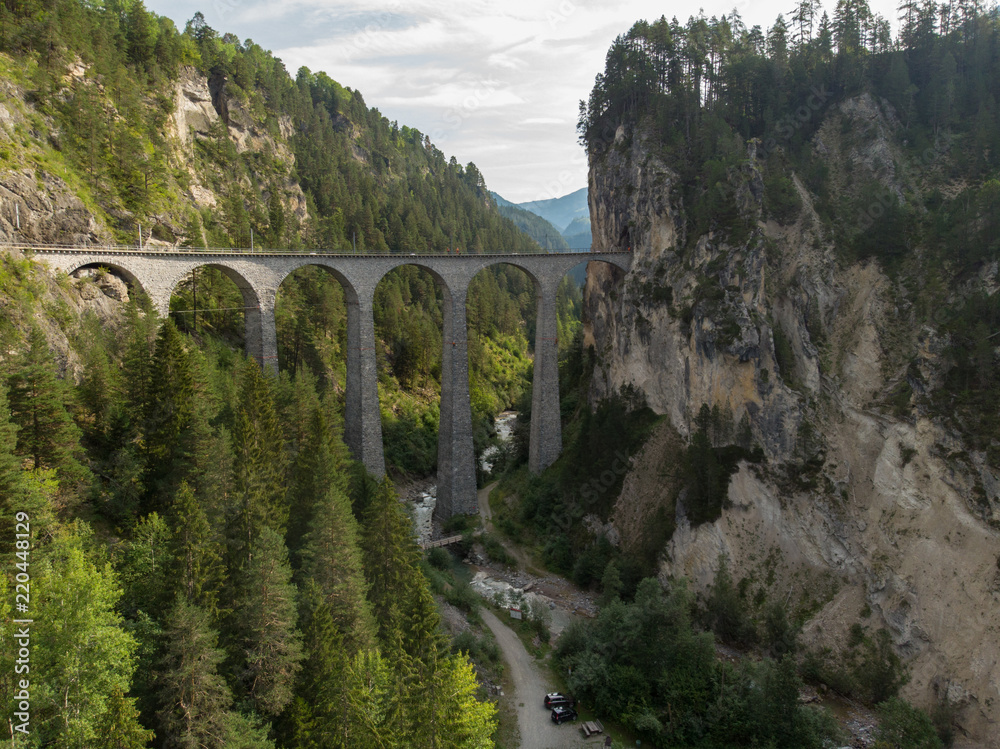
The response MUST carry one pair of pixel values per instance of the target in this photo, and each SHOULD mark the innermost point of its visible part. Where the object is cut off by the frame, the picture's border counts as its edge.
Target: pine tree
(259, 459)
(332, 559)
(195, 698)
(373, 705)
(144, 563)
(318, 715)
(462, 721)
(169, 415)
(119, 727)
(47, 434)
(315, 474)
(197, 561)
(265, 645)
(137, 363)
(390, 558)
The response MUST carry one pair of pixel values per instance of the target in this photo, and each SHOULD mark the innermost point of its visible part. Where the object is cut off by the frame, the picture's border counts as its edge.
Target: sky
(494, 83)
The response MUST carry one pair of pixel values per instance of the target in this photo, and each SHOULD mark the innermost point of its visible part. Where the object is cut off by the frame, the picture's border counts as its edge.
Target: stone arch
(346, 286)
(441, 281)
(251, 297)
(258, 327)
(362, 416)
(115, 268)
(531, 273)
(532, 321)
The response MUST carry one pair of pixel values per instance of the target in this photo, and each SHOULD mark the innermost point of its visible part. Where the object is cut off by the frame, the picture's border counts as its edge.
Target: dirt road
(530, 686)
(483, 495)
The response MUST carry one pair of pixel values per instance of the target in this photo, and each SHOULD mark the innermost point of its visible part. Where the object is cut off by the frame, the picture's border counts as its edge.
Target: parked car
(562, 714)
(557, 699)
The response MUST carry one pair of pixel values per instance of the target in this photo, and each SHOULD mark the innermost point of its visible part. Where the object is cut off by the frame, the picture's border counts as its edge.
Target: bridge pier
(261, 336)
(546, 425)
(362, 416)
(456, 492)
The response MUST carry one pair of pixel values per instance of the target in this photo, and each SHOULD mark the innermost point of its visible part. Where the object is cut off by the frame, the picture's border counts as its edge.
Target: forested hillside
(208, 567)
(133, 128)
(197, 564)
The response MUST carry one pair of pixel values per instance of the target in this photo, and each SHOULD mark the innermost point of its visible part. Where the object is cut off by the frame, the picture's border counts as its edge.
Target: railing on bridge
(440, 542)
(173, 249)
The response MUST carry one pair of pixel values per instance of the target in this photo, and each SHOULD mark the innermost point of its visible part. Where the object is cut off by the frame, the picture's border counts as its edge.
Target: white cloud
(497, 83)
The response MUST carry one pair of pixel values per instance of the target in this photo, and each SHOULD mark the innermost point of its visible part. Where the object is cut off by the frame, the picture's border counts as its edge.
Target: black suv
(562, 714)
(556, 699)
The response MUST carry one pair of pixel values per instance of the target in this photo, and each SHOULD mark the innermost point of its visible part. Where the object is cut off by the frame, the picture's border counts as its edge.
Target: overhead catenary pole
(194, 286)
(251, 239)
(17, 216)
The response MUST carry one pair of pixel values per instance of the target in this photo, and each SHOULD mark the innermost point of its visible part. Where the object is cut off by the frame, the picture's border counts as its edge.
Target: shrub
(439, 557)
(726, 611)
(902, 726)
(495, 550)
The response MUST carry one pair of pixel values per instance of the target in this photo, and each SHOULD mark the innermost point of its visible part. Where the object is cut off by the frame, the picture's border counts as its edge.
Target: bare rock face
(46, 211)
(193, 111)
(199, 105)
(101, 283)
(898, 526)
(652, 332)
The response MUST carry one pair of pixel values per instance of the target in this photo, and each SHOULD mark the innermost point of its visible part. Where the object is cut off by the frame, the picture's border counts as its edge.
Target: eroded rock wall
(891, 523)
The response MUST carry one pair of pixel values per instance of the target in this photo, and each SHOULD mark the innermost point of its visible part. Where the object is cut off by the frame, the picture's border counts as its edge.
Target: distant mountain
(500, 200)
(536, 227)
(560, 212)
(577, 234)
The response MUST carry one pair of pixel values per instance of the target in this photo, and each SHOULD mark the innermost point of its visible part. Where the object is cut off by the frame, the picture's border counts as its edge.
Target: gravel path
(530, 687)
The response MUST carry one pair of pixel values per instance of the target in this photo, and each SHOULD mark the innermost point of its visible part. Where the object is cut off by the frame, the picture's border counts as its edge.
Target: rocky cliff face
(197, 111)
(42, 199)
(890, 521)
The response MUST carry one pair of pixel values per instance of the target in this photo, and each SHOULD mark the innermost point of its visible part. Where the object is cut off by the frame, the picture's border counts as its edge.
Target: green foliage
(643, 664)
(193, 696)
(781, 198)
(38, 406)
(439, 558)
(197, 556)
(707, 468)
(119, 728)
(81, 655)
(879, 673)
(259, 461)
(784, 356)
(726, 611)
(902, 726)
(331, 557)
(264, 641)
(868, 669)
(495, 550)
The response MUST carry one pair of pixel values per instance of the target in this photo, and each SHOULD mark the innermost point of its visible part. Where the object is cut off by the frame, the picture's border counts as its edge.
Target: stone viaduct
(258, 276)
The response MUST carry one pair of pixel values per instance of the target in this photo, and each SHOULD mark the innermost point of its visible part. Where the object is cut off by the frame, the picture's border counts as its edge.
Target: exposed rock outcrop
(895, 518)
